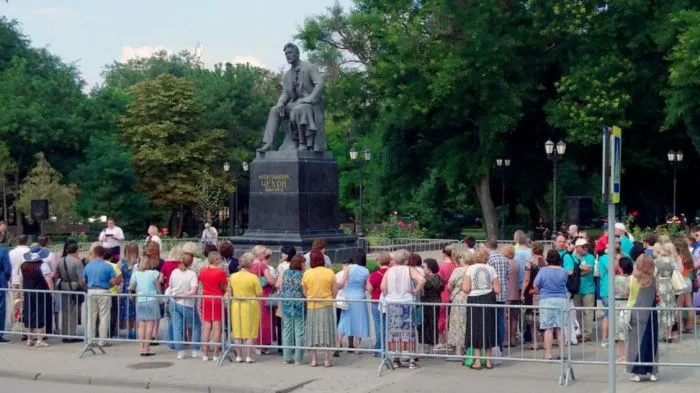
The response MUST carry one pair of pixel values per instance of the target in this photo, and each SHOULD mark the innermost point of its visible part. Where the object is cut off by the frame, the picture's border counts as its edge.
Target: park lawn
(478, 233)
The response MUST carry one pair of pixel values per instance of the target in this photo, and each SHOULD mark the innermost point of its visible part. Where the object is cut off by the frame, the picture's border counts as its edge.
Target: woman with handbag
(665, 266)
(643, 344)
(70, 271)
(354, 320)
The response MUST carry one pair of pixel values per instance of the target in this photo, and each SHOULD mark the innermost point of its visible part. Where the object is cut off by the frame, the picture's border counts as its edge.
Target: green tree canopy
(44, 182)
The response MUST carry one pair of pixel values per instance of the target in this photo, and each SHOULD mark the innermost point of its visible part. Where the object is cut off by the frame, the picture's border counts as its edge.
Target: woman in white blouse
(481, 284)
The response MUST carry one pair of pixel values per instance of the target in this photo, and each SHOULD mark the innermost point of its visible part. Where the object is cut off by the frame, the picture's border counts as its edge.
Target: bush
(396, 228)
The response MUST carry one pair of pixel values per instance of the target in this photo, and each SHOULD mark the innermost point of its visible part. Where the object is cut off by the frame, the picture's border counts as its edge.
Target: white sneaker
(181, 355)
(636, 378)
(239, 359)
(197, 354)
(653, 378)
(205, 358)
(249, 360)
(215, 359)
(604, 344)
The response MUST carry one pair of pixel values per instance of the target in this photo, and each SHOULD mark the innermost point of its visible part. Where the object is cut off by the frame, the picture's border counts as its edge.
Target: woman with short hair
(260, 268)
(457, 323)
(550, 284)
(400, 291)
(292, 310)
(481, 284)
(245, 313)
(319, 283)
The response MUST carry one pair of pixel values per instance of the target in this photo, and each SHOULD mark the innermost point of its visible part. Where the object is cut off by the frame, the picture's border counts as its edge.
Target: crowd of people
(472, 304)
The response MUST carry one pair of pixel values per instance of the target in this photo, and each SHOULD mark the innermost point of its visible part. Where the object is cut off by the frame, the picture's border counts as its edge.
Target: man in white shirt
(111, 238)
(17, 258)
(210, 235)
(318, 244)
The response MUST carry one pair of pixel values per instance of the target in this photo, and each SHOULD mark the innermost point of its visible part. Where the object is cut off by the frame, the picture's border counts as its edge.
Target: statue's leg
(290, 140)
(302, 137)
(273, 124)
(310, 139)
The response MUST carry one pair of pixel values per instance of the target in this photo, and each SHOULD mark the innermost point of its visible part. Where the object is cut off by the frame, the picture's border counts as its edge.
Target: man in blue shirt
(5, 276)
(649, 242)
(99, 277)
(586, 292)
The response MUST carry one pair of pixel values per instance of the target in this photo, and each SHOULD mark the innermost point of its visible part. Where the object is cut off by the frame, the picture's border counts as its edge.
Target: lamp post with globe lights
(366, 157)
(233, 203)
(675, 158)
(554, 154)
(503, 164)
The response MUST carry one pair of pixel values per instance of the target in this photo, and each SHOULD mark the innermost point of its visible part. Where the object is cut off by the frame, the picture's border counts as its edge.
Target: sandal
(314, 364)
(489, 367)
(474, 368)
(412, 365)
(327, 364)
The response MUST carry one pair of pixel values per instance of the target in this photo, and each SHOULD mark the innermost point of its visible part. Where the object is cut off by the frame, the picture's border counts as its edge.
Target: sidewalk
(122, 367)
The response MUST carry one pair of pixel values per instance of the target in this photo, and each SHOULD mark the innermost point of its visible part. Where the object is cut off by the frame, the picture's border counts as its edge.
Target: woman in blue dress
(354, 322)
(127, 304)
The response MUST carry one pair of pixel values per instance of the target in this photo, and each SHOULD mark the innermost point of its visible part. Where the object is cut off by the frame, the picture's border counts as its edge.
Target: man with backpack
(581, 284)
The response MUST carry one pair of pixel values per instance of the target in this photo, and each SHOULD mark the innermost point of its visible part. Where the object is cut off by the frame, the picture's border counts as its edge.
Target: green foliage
(107, 181)
(171, 149)
(44, 182)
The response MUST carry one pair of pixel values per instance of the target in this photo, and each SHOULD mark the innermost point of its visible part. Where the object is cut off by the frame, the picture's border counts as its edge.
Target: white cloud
(63, 14)
(253, 61)
(129, 52)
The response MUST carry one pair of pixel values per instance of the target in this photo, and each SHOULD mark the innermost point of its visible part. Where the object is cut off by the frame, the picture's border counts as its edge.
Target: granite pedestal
(294, 200)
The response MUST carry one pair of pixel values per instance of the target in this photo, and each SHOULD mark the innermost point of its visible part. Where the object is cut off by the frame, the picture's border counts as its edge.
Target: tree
(44, 182)
(209, 195)
(449, 79)
(171, 151)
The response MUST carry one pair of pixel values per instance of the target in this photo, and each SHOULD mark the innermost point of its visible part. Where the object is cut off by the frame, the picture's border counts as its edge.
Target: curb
(139, 385)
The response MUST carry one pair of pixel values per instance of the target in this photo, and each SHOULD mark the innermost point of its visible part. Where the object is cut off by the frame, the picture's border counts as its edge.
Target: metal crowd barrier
(406, 330)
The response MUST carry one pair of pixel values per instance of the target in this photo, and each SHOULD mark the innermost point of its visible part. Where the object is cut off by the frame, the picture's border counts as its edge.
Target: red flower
(410, 226)
(635, 213)
(401, 224)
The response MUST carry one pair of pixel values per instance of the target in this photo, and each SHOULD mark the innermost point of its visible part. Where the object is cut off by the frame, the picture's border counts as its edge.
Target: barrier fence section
(221, 328)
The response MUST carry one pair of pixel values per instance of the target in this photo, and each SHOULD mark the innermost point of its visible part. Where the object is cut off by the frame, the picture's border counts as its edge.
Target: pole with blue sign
(612, 172)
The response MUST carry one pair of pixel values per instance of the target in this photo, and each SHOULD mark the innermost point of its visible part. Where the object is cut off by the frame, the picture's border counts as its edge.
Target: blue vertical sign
(615, 163)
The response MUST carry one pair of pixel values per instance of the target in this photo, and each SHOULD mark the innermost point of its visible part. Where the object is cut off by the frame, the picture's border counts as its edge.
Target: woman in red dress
(214, 284)
(267, 281)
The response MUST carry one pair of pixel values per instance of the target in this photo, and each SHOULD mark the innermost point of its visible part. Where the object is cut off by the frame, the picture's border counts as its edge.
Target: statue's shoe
(266, 147)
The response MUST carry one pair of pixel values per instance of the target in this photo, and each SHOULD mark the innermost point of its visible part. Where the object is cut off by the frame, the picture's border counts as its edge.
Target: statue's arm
(319, 84)
(284, 98)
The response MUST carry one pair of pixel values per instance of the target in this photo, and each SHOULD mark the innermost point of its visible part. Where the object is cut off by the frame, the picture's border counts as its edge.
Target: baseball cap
(620, 226)
(580, 242)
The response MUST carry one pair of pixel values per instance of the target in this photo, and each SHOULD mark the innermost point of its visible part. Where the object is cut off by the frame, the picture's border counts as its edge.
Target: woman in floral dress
(458, 312)
(665, 264)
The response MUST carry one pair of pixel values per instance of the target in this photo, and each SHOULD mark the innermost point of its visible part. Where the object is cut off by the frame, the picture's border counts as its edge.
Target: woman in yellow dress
(245, 314)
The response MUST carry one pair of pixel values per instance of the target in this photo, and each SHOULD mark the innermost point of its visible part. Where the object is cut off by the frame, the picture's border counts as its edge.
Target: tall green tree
(171, 150)
(44, 182)
(450, 80)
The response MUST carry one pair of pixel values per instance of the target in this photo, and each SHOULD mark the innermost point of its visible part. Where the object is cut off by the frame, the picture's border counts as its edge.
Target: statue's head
(291, 52)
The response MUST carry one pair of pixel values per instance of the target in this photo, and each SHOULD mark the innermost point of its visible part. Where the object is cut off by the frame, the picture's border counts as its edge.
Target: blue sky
(94, 33)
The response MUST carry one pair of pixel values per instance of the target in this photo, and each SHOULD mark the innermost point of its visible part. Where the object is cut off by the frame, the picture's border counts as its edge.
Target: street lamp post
(675, 158)
(503, 164)
(367, 155)
(233, 202)
(554, 154)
